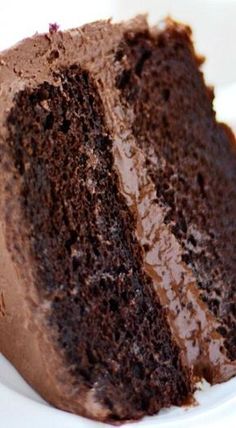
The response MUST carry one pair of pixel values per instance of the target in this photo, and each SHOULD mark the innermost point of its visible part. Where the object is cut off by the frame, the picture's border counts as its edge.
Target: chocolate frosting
(32, 350)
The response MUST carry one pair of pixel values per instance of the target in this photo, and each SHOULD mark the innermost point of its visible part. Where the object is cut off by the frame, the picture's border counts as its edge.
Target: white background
(22, 18)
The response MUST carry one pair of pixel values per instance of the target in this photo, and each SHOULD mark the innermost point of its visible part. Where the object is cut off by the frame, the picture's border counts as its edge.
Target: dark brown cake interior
(190, 157)
(107, 317)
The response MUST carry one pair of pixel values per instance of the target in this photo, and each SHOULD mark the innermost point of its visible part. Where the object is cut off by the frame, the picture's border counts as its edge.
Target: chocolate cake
(117, 220)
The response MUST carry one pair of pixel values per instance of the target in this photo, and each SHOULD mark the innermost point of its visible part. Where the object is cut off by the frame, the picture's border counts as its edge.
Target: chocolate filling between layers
(107, 316)
(190, 158)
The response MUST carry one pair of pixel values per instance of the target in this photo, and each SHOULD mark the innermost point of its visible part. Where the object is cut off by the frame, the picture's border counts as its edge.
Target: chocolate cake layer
(101, 290)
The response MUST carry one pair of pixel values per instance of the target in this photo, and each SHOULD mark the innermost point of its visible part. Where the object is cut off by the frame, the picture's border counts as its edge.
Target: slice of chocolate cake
(117, 220)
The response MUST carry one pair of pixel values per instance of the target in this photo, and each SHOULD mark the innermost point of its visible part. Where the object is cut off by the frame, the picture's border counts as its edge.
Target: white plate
(21, 407)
